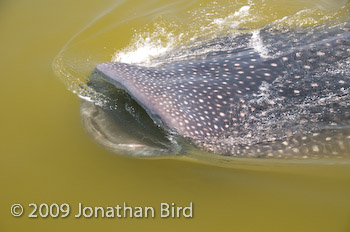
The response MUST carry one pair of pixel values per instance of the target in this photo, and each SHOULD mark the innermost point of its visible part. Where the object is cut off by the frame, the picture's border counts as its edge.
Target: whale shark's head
(243, 101)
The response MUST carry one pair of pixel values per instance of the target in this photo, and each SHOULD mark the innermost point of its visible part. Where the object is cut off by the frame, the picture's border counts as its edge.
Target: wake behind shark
(290, 97)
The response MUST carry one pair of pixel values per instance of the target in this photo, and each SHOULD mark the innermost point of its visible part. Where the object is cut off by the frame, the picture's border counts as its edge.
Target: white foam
(258, 45)
(242, 12)
(233, 20)
(147, 46)
(86, 98)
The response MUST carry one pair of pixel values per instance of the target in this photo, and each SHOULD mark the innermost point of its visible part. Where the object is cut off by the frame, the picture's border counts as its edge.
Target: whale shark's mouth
(123, 126)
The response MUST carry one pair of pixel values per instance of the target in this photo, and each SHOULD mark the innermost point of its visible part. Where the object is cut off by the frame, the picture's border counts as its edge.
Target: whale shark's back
(270, 93)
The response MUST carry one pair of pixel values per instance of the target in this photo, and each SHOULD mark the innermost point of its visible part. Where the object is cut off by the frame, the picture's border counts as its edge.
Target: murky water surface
(46, 155)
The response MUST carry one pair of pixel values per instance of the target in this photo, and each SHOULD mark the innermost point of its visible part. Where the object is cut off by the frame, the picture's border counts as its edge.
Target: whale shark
(266, 93)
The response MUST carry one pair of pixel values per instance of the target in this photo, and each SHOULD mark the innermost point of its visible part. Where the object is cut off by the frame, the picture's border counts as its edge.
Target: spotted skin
(239, 101)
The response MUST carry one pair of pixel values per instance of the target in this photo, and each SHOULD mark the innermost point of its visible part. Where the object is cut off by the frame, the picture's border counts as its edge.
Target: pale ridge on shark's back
(291, 101)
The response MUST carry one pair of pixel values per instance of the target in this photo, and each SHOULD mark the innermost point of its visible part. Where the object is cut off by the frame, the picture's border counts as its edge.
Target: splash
(146, 46)
(163, 36)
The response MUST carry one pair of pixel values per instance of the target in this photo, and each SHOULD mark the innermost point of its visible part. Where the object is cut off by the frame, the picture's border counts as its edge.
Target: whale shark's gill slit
(123, 126)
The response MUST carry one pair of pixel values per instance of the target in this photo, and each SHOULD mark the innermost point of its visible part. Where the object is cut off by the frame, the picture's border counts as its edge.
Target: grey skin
(287, 98)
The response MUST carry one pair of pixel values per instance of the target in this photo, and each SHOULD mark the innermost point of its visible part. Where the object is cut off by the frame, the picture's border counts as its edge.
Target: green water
(46, 157)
